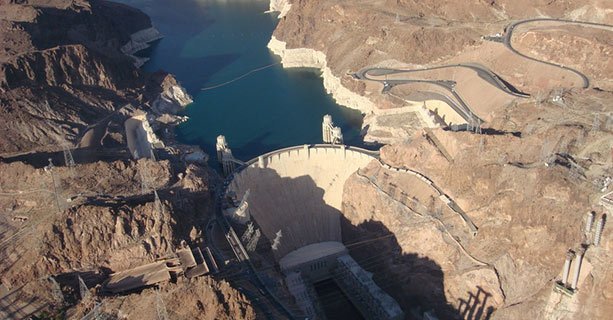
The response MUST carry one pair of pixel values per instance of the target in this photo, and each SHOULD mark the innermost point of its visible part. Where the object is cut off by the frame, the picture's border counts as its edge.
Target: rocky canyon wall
(310, 58)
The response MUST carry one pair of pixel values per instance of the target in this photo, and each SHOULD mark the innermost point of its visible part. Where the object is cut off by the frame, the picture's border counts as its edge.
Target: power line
(240, 77)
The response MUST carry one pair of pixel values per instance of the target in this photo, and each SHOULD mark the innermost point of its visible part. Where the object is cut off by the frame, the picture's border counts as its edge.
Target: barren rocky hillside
(67, 82)
(526, 182)
(63, 70)
(497, 141)
(102, 222)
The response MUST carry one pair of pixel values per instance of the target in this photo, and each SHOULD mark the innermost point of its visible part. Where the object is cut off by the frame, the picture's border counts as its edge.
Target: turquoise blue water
(209, 42)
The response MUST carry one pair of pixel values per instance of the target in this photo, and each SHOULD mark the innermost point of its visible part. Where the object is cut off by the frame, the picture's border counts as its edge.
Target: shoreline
(310, 58)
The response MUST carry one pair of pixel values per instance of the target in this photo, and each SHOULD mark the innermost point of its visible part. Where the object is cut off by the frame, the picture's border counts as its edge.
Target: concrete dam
(293, 197)
(298, 192)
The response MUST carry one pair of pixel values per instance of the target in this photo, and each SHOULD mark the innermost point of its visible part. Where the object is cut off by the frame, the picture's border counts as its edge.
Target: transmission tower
(277, 241)
(160, 306)
(68, 159)
(83, 290)
(49, 168)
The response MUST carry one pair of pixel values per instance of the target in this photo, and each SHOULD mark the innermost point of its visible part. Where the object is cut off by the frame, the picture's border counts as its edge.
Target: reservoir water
(208, 42)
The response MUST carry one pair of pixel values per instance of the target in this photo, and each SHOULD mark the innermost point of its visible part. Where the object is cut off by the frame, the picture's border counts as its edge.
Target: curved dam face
(297, 192)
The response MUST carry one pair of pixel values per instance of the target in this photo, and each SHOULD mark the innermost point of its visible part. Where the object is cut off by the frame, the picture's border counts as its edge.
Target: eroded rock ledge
(310, 58)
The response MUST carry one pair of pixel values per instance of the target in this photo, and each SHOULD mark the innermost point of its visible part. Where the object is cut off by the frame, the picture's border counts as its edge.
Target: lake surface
(209, 42)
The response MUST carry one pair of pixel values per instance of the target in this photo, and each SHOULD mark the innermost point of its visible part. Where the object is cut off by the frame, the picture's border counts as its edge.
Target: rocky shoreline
(309, 58)
(375, 127)
(528, 211)
(69, 86)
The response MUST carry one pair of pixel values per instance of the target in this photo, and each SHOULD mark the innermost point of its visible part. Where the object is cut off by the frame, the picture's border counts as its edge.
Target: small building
(315, 262)
(142, 276)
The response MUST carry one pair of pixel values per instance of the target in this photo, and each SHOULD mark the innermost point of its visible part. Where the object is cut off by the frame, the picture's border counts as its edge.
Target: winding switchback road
(507, 40)
(461, 107)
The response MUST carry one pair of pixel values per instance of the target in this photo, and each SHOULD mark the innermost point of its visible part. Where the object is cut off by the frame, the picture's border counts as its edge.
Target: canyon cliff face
(515, 182)
(68, 81)
(70, 65)
(64, 70)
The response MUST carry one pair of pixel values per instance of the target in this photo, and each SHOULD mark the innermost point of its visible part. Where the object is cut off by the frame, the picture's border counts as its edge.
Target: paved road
(482, 71)
(461, 107)
(509, 35)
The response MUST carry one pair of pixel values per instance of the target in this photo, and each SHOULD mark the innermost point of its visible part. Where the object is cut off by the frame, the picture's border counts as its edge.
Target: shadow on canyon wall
(416, 282)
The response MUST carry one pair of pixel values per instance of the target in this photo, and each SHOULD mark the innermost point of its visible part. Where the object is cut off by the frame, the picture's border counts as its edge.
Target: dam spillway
(298, 191)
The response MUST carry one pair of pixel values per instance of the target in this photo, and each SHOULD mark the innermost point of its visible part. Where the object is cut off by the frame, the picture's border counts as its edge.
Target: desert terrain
(75, 202)
(494, 118)
(525, 153)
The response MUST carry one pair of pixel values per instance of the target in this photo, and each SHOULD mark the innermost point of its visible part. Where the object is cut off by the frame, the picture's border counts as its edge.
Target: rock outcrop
(66, 68)
(167, 96)
(281, 6)
(526, 183)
